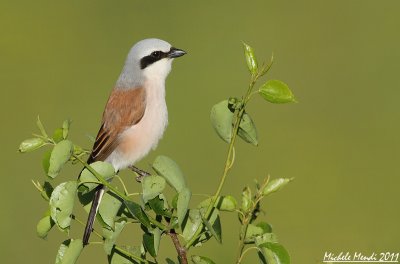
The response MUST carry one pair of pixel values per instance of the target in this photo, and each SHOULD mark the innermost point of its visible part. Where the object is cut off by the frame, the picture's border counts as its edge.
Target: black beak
(175, 53)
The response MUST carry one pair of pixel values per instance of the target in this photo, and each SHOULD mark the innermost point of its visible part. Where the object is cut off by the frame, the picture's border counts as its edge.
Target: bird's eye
(156, 54)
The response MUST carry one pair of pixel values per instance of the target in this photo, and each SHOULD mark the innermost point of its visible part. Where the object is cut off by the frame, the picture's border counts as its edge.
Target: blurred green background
(60, 59)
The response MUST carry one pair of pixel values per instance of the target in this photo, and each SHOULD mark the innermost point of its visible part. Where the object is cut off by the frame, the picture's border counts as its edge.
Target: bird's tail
(92, 214)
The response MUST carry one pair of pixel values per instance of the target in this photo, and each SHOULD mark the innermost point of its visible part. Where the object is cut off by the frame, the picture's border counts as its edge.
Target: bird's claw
(141, 173)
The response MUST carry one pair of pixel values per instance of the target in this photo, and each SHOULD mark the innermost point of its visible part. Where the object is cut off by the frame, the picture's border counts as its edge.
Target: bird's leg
(141, 173)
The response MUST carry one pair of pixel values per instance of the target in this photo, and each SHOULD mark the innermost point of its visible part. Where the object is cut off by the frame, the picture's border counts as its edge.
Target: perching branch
(179, 248)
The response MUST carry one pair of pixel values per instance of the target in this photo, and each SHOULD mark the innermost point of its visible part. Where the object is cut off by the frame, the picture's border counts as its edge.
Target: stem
(131, 255)
(182, 257)
(179, 248)
(123, 184)
(243, 232)
(246, 221)
(244, 253)
(102, 180)
(83, 182)
(229, 160)
(228, 163)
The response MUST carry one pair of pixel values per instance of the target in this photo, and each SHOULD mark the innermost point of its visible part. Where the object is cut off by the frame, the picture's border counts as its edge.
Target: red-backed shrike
(135, 115)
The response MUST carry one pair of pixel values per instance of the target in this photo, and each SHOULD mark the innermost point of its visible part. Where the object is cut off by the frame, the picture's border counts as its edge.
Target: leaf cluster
(157, 214)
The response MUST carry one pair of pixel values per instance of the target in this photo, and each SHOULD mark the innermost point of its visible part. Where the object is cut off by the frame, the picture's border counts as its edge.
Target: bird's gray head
(148, 59)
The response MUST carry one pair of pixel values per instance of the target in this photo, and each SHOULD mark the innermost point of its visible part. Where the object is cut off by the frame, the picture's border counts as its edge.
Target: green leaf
(151, 241)
(62, 203)
(31, 144)
(152, 186)
(112, 235)
(137, 212)
(201, 260)
(86, 199)
(59, 156)
(206, 234)
(214, 227)
(46, 161)
(221, 120)
(191, 224)
(65, 128)
(247, 130)
(168, 169)
(169, 261)
(246, 199)
(41, 127)
(277, 92)
(45, 190)
(250, 59)
(157, 238)
(175, 201)
(264, 238)
(117, 257)
(160, 206)
(267, 228)
(275, 185)
(58, 135)
(44, 226)
(183, 204)
(224, 203)
(69, 251)
(256, 230)
(105, 169)
(148, 242)
(108, 209)
(273, 253)
(174, 223)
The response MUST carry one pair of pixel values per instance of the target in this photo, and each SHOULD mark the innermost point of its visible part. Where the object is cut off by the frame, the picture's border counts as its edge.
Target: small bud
(78, 150)
(275, 185)
(31, 144)
(246, 199)
(232, 102)
(250, 59)
(41, 127)
(65, 128)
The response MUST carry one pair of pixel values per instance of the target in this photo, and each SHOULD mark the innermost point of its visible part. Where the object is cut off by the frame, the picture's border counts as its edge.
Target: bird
(135, 116)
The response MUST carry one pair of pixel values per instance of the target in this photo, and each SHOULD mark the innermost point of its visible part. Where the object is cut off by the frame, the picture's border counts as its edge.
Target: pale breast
(139, 139)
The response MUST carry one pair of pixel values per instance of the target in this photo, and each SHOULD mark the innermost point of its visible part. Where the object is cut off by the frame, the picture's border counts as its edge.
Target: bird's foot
(141, 173)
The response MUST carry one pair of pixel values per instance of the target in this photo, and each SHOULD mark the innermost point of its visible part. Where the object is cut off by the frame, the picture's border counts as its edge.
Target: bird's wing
(125, 107)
